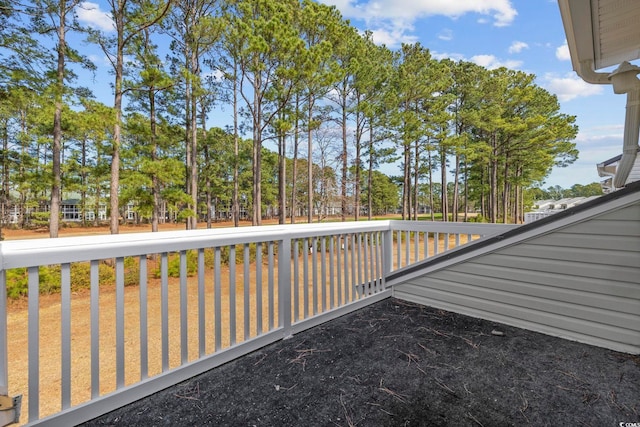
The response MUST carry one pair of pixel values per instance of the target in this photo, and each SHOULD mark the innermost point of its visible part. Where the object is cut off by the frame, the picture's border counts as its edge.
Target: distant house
(71, 211)
(545, 208)
(609, 168)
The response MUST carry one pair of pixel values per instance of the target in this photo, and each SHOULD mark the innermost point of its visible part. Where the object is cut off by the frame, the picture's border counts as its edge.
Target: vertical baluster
(144, 341)
(164, 308)
(379, 274)
(65, 339)
(457, 240)
(342, 249)
(323, 273)
(342, 267)
(436, 242)
(95, 328)
(305, 268)
(271, 286)
(416, 242)
(232, 294)
(332, 260)
(184, 326)
(259, 288)
(360, 284)
(387, 251)
(372, 262)
(4, 356)
(314, 274)
(296, 280)
(426, 244)
(367, 284)
(217, 299)
(247, 293)
(202, 336)
(120, 360)
(284, 286)
(398, 249)
(407, 244)
(354, 284)
(34, 344)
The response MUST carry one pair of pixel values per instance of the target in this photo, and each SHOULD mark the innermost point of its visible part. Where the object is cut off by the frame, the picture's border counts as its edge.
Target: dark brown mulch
(400, 364)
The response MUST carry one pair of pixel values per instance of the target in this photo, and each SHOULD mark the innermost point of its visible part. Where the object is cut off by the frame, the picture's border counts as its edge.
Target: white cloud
(562, 52)
(391, 37)
(398, 16)
(446, 35)
(90, 14)
(517, 47)
(502, 12)
(570, 86)
(491, 62)
(448, 55)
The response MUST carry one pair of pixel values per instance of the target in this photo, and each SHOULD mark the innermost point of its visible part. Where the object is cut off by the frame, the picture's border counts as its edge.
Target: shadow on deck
(397, 363)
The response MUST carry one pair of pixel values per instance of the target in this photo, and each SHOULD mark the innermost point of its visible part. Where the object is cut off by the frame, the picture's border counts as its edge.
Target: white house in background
(608, 169)
(544, 208)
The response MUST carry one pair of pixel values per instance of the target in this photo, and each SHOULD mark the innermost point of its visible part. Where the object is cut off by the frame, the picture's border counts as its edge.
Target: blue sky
(526, 35)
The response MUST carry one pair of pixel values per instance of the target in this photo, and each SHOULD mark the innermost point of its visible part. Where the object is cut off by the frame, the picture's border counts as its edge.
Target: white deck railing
(199, 299)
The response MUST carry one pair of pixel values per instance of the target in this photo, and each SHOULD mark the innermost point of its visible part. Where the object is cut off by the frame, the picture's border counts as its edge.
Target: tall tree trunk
(188, 146)
(195, 69)
(235, 208)
(83, 181)
(345, 161)
(257, 153)
(356, 191)
(406, 183)
(430, 185)
(416, 179)
(456, 188)
(114, 217)
(4, 199)
(443, 179)
(54, 218)
(294, 171)
(370, 175)
(493, 181)
(282, 177)
(155, 184)
(310, 160)
(506, 191)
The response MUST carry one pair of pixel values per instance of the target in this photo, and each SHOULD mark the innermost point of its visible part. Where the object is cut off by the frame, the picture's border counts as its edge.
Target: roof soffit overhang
(600, 34)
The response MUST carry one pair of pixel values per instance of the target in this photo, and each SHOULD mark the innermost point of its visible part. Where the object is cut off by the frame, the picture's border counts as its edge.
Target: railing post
(4, 351)
(10, 406)
(387, 252)
(284, 285)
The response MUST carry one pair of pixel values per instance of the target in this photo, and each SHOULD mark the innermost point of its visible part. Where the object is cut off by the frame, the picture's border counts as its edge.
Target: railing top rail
(35, 252)
(452, 227)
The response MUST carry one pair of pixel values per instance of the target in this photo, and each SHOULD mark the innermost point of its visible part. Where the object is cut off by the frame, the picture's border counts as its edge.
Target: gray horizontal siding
(586, 241)
(539, 311)
(594, 334)
(564, 281)
(560, 266)
(575, 294)
(594, 255)
(580, 281)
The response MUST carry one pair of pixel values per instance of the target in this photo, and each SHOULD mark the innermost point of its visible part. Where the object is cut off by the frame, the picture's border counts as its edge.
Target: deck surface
(400, 364)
